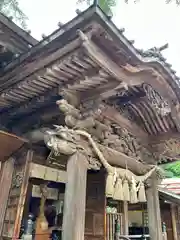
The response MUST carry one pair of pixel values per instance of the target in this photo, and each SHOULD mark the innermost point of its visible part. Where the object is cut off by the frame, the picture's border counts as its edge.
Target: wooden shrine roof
(92, 58)
(171, 185)
(169, 196)
(15, 37)
(9, 144)
(13, 41)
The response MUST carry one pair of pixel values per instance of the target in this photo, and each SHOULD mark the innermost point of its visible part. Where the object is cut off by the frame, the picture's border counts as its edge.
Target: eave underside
(79, 72)
(85, 67)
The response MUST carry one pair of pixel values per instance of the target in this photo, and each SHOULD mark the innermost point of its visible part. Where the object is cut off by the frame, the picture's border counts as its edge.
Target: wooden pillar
(125, 219)
(5, 184)
(154, 215)
(173, 217)
(75, 198)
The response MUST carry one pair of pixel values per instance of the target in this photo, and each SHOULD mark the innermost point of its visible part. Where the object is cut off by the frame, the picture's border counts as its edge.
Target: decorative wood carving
(92, 107)
(121, 140)
(17, 193)
(154, 52)
(5, 184)
(17, 180)
(104, 131)
(64, 140)
(169, 149)
(156, 100)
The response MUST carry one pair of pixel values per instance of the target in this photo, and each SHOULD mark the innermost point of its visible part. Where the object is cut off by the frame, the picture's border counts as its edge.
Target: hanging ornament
(133, 192)
(109, 185)
(118, 190)
(141, 193)
(110, 182)
(125, 188)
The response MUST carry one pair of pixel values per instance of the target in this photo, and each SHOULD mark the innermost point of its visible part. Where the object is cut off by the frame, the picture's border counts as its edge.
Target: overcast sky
(149, 22)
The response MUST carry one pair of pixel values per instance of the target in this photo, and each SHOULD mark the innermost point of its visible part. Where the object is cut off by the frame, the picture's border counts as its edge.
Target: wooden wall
(95, 206)
(17, 195)
(5, 183)
(177, 218)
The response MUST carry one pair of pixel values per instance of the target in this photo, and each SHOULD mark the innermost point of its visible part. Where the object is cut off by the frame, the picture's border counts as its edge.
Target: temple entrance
(35, 208)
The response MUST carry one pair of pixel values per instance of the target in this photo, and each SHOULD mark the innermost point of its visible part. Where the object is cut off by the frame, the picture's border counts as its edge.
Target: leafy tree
(107, 5)
(172, 169)
(11, 8)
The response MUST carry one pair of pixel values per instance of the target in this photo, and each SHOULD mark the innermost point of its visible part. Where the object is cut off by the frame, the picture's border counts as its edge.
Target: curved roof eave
(17, 30)
(95, 13)
(139, 58)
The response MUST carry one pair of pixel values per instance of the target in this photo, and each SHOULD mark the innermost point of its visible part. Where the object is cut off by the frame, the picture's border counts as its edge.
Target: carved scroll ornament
(156, 100)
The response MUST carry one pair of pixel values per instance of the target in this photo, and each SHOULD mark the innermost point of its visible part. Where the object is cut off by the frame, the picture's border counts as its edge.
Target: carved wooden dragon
(64, 141)
(67, 141)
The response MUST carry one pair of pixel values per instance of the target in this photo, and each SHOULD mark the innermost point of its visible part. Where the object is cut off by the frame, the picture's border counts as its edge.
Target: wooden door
(177, 215)
(17, 195)
(95, 206)
(166, 217)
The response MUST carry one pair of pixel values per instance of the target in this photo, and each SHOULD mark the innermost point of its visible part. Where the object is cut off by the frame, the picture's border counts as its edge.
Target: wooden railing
(110, 225)
(123, 238)
(110, 228)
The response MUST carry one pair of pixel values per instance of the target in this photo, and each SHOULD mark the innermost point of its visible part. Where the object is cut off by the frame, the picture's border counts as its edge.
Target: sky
(149, 22)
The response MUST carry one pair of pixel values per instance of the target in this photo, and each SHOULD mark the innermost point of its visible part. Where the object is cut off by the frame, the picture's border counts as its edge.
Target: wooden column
(75, 198)
(125, 219)
(173, 217)
(154, 215)
(5, 184)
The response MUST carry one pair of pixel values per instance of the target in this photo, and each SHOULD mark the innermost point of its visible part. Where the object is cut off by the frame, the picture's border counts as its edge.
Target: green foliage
(106, 5)
(172, 169)
(11, 8)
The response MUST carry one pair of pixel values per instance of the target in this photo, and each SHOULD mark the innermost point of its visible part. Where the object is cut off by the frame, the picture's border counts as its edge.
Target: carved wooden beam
(113, 115)
(105, 62)
(136, 77)
(149, 75)
(106, 90)
(113, 157)
(175, 114)
(163, 137)
(118, 73)
(100, 109)
(121, 160)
